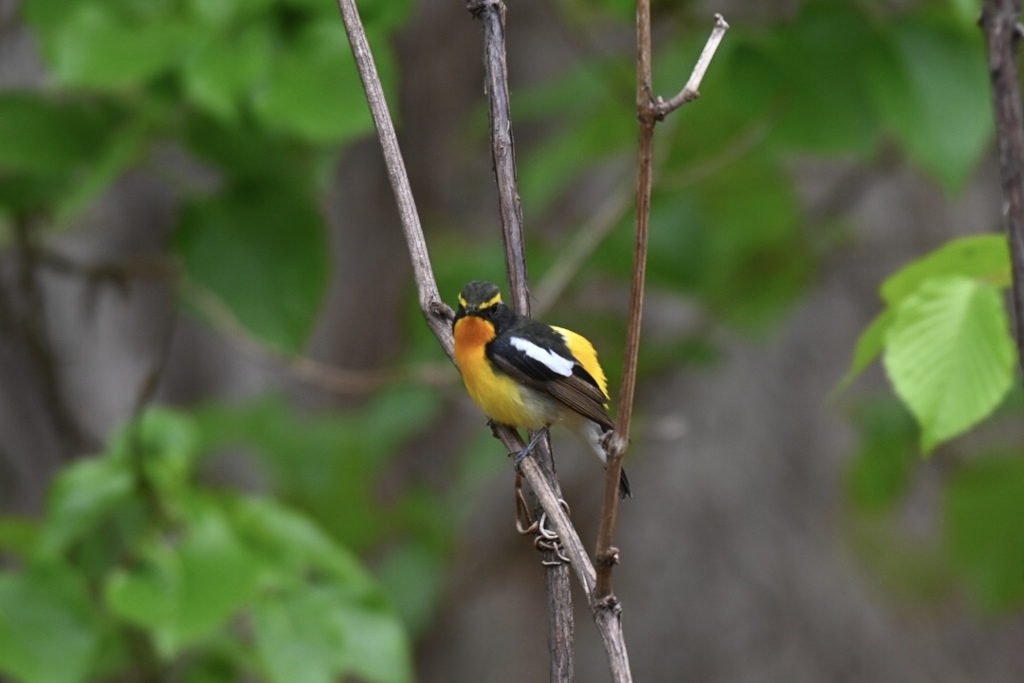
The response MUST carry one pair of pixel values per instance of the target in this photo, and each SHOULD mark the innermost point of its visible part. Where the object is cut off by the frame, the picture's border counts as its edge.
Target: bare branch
(580, 248)
(491, 14)
(649, 112)
(119, 273)
(438, 315)
(1000, 20)
(691, 91)
(436, 312)
(25, 311)
(325, 376)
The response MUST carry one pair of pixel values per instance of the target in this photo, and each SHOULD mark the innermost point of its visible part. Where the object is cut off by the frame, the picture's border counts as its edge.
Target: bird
(524, 373)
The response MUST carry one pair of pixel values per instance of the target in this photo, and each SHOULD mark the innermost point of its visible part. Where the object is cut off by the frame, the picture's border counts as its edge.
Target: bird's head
(478, 298)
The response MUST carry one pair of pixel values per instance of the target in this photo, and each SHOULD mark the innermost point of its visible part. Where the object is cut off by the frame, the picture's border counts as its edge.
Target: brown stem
(649, 112)
(438, 315)
(1000, 22)
(491, 14)
(30, 322)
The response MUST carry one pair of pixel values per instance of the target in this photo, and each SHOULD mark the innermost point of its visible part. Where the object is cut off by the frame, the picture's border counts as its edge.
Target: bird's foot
(547, 540)
(518, 457)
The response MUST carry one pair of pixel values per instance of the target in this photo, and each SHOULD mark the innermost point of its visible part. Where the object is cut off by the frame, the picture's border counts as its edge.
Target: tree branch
(691, 90)
(119, 273)
(574, 255)
(649, 112)
(606, 608)
(1000, 23)
(438, 314)
(26, 310)
(491, 14)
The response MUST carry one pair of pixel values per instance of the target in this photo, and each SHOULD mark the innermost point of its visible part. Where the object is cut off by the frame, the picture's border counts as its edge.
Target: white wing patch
(551, 360)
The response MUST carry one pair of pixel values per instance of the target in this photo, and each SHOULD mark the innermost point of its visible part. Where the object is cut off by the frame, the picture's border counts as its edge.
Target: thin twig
(730, 153)
(1000, 22)
(648, 113)
(119, 273)
(438, 314)
(325, 376)
(491, 14)
(579, 250)
(691, 90)
(145, 395)
(30, 323)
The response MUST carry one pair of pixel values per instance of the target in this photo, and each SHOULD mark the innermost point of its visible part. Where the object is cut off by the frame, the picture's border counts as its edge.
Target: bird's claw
(547, 539)
(518, 457)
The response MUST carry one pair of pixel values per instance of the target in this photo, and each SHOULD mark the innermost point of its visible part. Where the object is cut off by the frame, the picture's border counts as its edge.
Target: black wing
(538, 357)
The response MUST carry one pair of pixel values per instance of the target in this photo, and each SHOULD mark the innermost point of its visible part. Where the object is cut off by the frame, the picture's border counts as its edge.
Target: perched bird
(523, 373)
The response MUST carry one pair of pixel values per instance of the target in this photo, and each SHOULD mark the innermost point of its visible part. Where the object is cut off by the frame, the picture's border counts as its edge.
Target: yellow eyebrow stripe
(493, 301)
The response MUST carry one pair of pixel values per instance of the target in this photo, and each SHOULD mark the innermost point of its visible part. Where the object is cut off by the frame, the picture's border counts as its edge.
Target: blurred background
(231, 450)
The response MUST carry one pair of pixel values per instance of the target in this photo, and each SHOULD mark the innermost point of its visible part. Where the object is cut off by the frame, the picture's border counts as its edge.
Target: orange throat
(471, 335)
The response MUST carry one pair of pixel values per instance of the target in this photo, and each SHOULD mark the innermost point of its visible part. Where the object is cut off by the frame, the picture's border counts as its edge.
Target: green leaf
(317, 634)
(222, 13)
(148, 594)
(821, 100)
(949, 355)
(331, 464)
(262, 250)
(40, 136)
(756, 262)
(879, 473)
(18, 536)
(242, 150)
(745, 259)
(313, 88)
(984, 526)
(320, 628)
(80, 498)
(980, 256)
(967, 12)
(910, 84)
(27, 194)
(48, 633)
(549, 168)
(292, 545)
(869, 346)
(222, 73)
(297, 640)
(413, 576)
(124, 148)
(395, 414)
(377, 646)
(183, 592)
(168, 443)
(95, 48)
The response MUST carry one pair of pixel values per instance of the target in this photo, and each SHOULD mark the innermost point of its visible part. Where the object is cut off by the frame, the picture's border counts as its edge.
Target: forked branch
(436, 312)
(491, 14)
(649, 112)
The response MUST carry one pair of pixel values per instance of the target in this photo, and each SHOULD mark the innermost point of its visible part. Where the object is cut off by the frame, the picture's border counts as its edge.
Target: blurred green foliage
(944, 336)
(138, 566)
(944, 339)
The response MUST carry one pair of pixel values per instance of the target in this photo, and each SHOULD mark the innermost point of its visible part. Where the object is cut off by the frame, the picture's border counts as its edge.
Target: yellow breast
(500, 397)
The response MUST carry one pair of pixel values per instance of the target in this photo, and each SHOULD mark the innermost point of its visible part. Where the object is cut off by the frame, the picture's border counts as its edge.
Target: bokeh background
(231, 450)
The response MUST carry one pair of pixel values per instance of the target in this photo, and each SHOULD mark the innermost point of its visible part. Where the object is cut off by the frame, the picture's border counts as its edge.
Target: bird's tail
(593, 434)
